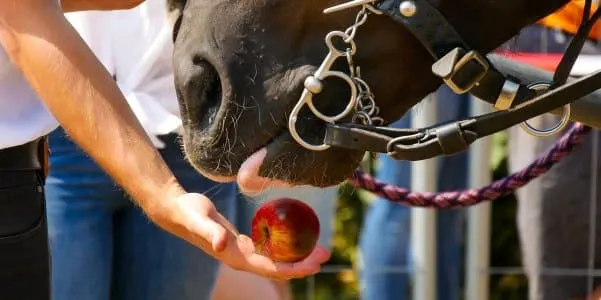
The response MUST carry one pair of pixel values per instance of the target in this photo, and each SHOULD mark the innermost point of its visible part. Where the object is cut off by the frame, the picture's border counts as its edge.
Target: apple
(285, 230)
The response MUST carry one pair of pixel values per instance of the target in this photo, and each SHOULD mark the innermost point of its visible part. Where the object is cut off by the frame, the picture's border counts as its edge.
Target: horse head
(241, 66)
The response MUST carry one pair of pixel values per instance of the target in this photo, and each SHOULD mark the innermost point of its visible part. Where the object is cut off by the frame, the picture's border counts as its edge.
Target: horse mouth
(223, 142)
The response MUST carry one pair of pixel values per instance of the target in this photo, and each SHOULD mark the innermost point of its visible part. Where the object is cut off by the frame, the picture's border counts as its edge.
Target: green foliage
(351, 205)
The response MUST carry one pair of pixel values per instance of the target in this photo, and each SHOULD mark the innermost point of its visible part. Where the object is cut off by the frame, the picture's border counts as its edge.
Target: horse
(242, 66)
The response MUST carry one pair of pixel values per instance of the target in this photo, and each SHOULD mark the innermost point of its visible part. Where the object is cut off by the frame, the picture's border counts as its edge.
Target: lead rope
(496, 189)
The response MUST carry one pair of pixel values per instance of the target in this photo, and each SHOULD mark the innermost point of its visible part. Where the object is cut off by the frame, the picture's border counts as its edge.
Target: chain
(360, 19)
(366, 110)
(361, 106)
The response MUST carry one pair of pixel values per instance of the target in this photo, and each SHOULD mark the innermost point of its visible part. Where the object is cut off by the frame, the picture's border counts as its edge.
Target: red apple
(285, 230)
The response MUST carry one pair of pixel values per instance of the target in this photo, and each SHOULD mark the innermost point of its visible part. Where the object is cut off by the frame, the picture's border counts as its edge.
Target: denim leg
(102, 245)
(393, 221)
(79, 199)
(452, 175)
(151, 264)
(81, 245)
(384, 252)
(385, 236)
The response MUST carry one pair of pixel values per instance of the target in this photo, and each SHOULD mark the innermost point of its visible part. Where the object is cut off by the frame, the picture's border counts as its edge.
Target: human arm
(81, 5)
(85, 100)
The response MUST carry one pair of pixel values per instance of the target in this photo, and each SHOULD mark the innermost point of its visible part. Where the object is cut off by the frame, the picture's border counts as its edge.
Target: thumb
(217, 233)
(210, 231)
(204, 220)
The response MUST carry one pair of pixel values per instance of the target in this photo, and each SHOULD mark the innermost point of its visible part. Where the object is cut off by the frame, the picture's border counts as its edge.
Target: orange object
(569, 17)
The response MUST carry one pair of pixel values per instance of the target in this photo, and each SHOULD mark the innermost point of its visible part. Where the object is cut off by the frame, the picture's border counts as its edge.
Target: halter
(461, 68)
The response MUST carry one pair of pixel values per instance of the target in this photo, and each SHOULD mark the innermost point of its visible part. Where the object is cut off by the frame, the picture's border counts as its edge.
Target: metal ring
(565, 118)
(370, 107)
(351, 102)
(377, 121)
(364, 87)
(343, 36)
(294, 133)
(363, 117)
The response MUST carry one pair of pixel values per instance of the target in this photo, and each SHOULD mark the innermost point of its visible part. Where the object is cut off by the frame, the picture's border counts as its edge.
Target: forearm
(85, 100)
(82, 5)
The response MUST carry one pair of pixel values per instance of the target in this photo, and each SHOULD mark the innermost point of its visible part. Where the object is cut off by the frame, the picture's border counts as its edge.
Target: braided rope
(469, 197)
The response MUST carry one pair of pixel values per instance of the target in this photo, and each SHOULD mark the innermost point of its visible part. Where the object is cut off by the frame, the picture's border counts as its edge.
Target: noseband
(461, 68)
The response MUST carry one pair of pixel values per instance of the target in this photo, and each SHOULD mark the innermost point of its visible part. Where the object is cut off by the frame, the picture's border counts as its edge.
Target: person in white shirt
(102, 245)
(48, 72)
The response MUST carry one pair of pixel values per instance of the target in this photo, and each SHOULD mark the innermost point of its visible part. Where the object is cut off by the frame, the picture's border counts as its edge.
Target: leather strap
(428, 25)
(571, 54)
(22, 157)
(463, 69)
(453, 137)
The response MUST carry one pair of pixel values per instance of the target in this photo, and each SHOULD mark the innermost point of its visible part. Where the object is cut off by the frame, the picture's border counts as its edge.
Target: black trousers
(24, 250)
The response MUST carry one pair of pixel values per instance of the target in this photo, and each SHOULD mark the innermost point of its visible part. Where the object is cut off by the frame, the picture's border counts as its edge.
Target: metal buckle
(508, 92)
(470, 56)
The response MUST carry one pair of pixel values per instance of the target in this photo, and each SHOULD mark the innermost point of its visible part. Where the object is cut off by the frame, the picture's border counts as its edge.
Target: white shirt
(23, 117)
(135, 46)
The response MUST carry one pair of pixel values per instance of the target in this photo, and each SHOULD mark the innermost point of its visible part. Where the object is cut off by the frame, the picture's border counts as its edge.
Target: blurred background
(339, 279)
(537, 243)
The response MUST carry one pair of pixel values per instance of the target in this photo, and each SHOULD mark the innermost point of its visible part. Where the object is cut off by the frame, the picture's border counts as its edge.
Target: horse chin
(281, 162)
(272, 164)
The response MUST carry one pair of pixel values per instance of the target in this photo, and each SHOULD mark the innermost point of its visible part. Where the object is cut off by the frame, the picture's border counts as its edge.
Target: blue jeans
(385, 237)
(102, 245)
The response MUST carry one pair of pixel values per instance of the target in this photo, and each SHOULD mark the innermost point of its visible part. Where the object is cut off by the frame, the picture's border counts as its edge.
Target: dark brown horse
(240, 68)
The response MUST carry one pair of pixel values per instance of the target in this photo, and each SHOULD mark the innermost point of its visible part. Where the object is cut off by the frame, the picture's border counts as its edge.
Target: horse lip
(280, 132)
(215, 177)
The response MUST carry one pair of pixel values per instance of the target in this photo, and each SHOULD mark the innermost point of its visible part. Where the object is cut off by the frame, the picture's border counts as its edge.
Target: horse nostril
(176, 27)
(197, 60)
(203, 92)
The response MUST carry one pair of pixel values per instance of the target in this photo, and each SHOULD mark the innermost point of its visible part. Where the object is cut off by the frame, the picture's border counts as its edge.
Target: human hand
(194, 218)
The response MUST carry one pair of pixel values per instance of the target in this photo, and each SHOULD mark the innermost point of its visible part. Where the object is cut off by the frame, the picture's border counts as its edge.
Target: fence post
(423, 220)
(478, 223)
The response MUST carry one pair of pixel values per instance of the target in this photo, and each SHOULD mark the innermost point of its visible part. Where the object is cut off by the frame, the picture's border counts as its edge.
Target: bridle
(460, 67)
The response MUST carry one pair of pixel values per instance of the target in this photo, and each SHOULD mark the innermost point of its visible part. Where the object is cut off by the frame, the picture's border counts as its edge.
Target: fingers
(245, 244)
(213, 232)
(219, 218)
(225, 232)
(285, 271)
(203, 221)
(238, 251)
(309, 266)
(205, 225)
